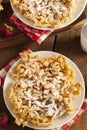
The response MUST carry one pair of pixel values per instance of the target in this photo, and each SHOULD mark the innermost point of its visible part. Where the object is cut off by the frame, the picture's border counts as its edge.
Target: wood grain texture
(20, 38)
(67, 43)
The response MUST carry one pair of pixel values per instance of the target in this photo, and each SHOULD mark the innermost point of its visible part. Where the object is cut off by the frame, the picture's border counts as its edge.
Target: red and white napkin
(3, 73)
(35, 34)
(69, 124)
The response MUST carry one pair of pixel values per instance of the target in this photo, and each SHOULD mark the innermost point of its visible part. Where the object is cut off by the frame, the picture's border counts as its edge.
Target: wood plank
(17, 41)
(9, 53)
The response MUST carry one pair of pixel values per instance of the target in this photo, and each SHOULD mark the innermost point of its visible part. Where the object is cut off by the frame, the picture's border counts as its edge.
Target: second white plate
(76, 12)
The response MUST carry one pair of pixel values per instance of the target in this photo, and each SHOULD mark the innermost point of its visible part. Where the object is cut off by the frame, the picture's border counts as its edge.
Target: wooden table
(65, 42)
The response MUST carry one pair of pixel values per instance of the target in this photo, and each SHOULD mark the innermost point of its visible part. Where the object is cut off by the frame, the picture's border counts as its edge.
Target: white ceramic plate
(76, 12)
(77, 102)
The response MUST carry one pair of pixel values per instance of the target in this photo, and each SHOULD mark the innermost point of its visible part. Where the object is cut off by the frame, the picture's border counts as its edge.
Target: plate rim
(83, 96)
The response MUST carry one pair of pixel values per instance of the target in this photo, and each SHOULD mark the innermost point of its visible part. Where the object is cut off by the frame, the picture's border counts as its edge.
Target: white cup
(83, 38)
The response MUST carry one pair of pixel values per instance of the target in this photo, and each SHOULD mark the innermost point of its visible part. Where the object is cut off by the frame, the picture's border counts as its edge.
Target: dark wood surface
(67, 42)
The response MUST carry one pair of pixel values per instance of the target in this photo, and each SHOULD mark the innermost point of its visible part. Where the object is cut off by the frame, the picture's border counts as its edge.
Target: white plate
(76, 12)
(77, 102)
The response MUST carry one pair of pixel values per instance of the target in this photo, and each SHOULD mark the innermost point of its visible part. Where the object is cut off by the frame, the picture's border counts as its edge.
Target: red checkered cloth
(35, 34)
(3, 73)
